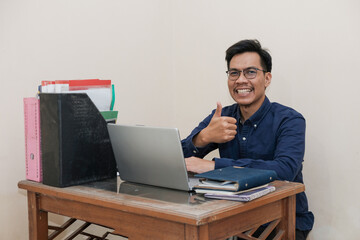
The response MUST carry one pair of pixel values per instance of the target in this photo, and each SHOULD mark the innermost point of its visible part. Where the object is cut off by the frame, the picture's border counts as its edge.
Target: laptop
(150, 155)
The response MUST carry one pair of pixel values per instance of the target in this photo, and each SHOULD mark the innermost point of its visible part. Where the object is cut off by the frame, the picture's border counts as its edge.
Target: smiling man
(253, 132)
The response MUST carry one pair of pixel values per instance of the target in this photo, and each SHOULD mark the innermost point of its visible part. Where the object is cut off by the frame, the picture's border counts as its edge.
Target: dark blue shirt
(272, 138)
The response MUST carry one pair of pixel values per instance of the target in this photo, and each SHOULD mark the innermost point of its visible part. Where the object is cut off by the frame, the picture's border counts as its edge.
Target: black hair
(249, 45)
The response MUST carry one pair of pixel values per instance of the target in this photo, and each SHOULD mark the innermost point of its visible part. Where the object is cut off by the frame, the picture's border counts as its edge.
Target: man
(253, 132)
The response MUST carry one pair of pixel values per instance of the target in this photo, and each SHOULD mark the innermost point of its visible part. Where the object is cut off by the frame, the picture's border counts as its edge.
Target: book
(235, 178)
(101, 92)
(32, 139)
(244, 196)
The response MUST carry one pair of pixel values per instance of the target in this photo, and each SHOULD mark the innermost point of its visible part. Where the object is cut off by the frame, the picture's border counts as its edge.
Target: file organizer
(75, 142)
(32, 139)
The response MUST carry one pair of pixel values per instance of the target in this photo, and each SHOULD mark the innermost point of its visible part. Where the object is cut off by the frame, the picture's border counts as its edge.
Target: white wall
(166, 59)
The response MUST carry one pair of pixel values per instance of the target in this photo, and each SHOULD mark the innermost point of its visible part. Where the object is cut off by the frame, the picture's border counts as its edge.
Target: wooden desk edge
(199, 220)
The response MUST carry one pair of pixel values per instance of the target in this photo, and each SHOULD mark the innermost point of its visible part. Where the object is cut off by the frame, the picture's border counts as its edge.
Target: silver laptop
(150, 155)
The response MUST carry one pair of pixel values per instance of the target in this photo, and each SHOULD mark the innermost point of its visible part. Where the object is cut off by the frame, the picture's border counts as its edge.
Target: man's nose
(241, 78)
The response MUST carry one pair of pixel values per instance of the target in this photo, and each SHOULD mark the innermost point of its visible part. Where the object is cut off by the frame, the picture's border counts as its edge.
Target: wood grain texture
(138, 217)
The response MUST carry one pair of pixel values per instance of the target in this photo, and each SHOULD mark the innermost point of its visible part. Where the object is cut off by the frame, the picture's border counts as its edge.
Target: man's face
(248, 92)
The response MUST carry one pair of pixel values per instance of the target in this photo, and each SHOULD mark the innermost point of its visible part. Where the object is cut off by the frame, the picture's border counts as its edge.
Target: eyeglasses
(249, 73)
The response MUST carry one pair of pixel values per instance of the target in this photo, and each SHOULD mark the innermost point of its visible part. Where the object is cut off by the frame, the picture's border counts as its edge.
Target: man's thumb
(218, 110)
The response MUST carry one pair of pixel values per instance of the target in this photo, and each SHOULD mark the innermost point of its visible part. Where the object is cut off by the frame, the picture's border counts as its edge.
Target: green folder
(110, 116)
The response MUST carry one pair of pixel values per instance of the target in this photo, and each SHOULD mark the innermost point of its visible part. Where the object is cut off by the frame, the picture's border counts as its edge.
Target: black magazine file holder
(75, 141)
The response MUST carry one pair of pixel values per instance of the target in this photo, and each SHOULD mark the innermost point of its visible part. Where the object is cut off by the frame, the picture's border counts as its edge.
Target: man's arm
(288, 154)
(211, 131)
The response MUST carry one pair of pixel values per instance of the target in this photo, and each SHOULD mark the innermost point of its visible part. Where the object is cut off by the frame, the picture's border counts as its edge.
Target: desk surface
(170, 205)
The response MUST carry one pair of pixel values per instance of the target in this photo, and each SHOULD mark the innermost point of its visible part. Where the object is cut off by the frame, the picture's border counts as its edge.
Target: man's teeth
(243, 90)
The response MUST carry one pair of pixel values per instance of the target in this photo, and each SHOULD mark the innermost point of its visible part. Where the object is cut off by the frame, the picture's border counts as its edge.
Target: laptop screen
(149, 155)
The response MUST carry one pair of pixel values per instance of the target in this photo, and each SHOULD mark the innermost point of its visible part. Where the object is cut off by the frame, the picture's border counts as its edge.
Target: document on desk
(243, 197)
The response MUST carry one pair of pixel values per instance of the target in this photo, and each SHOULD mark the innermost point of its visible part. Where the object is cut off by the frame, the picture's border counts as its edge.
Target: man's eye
(251, 71)
(233, 73)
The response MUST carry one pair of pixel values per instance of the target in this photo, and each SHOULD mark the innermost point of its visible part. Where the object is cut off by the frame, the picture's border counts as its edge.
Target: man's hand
(199, 165)
(220, 130)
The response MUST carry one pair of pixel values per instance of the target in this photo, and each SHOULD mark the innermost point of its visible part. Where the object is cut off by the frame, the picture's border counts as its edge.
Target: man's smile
(243, 90)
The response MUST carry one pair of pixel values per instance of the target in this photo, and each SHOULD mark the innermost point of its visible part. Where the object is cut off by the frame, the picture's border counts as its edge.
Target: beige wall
(166, 59)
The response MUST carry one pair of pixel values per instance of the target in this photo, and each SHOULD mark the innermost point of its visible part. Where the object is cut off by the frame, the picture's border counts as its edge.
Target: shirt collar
(258, 115)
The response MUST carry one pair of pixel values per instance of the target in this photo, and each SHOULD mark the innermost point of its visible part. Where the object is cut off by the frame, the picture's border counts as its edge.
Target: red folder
(32, 139)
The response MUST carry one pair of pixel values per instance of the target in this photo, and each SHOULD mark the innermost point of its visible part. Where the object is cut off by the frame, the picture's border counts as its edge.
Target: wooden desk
(140, 217)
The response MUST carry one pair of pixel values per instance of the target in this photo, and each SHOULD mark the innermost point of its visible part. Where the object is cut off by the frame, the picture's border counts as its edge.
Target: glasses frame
(245, 73)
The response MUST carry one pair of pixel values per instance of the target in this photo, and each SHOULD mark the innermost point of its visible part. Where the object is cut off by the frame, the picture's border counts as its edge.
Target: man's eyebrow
(236, 69)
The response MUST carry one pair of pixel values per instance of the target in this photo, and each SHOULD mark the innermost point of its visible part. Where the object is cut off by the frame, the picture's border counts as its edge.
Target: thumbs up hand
(220, 129)
(218, 110)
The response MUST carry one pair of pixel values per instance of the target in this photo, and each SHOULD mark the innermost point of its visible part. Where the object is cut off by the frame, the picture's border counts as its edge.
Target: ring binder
(32, 139)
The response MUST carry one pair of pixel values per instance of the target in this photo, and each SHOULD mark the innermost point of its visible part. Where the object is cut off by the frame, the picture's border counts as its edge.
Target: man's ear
(268, 77)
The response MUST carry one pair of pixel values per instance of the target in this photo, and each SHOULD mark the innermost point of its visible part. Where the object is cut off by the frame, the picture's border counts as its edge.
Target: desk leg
(38, 220)
(288, 220)
(197, 233)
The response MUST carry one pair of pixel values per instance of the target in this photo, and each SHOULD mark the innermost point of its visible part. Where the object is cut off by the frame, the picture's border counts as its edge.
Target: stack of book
(236, 183)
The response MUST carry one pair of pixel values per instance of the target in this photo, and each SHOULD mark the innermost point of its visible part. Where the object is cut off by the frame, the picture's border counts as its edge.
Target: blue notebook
(235, 178)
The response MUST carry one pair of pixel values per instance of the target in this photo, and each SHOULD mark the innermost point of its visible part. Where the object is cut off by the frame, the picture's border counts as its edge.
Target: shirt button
(244, 138)
(194, 151)
(255, 125)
